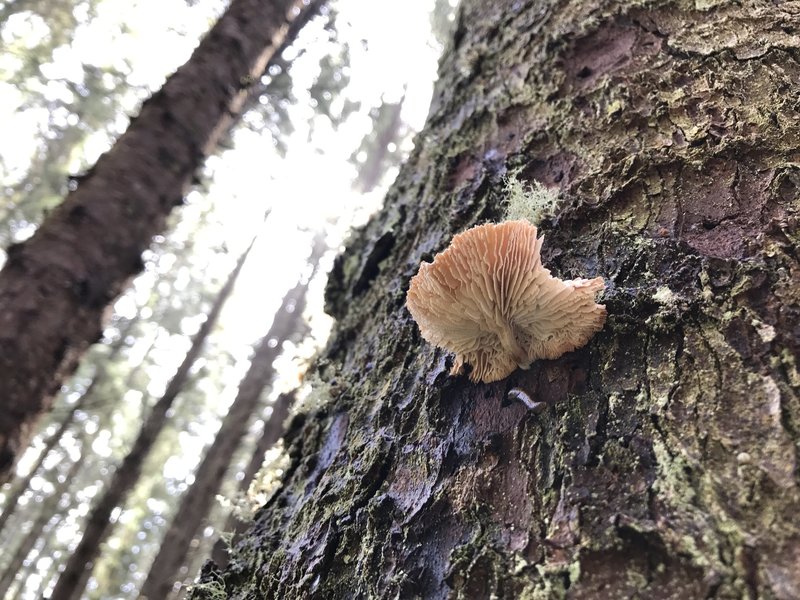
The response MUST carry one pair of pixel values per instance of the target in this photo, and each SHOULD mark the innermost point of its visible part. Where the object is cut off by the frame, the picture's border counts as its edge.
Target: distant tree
(107, 373)
(269, 436)
(52, 441)
(55, 286)
(198, 499)
(266, 109)
(380, 149)
(48, 511)
(179, 286)
(79, 566)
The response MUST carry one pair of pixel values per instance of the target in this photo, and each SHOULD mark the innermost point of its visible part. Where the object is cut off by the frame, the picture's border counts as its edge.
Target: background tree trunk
(198, 499)
(47, 512)
(21, 486)
(665, 465)
(81, 561)
(54, 287)
(272, 432)
(86, 397)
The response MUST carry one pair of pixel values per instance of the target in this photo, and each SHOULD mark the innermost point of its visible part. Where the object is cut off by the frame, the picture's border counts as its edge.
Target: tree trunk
(272, 432)
(666, 462)
(197, 500)
(54, 287)
(47, 510)
(388, 122)
(51, 442)
(79, 566)
(22, 485)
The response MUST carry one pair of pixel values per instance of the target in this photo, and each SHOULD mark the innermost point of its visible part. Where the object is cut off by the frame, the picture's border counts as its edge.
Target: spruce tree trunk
(55, 287)
(79, 565)
(666, 462)
(198, 499)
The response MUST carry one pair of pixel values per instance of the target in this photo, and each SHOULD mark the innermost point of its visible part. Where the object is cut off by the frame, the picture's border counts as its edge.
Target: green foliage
(76, 108)
(274, 93)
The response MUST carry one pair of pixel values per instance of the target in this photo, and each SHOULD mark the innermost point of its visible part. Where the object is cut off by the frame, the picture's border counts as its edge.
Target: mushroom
(488, 299)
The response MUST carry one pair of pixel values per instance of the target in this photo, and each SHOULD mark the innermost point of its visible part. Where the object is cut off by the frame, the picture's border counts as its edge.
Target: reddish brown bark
(54, 287)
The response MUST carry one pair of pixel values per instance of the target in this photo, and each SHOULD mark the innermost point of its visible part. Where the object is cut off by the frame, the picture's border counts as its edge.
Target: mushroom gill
(488, 299)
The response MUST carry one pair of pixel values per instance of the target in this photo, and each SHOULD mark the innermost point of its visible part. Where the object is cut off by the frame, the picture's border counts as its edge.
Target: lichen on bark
(666, 463)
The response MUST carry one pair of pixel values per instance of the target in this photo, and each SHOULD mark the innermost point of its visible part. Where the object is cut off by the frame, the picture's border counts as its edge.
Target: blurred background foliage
(323, 136)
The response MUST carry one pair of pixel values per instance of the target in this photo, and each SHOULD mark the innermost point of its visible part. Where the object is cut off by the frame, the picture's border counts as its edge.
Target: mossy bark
(666, 463)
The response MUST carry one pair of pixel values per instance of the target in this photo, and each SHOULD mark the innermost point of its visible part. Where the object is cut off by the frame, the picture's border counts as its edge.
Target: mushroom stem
(509, 342)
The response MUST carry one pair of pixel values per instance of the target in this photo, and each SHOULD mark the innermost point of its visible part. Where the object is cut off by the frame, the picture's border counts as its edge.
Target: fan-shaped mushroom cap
(488, 298)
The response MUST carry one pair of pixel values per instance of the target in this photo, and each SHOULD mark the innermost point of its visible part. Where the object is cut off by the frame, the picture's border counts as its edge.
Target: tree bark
(666, 462)
(79, 566)
(54, 287)
(198, 499)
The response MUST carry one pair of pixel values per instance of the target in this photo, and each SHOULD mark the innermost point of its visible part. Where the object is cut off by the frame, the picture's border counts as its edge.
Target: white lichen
(269, 476)
(765, 331)
(213, 590)
(664, 296)
(238, 505)
(265, 483)
(532, 202)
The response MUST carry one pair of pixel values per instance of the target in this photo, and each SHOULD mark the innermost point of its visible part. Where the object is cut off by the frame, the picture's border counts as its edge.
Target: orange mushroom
(488, 299)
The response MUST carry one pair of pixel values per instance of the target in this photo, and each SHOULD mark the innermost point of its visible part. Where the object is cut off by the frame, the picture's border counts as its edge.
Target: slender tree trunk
(79, 565)
(54, 287)
(370, 174)
(47, 511)
(273, 431)
(197, 500)
(665, 464)
(24, 483)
